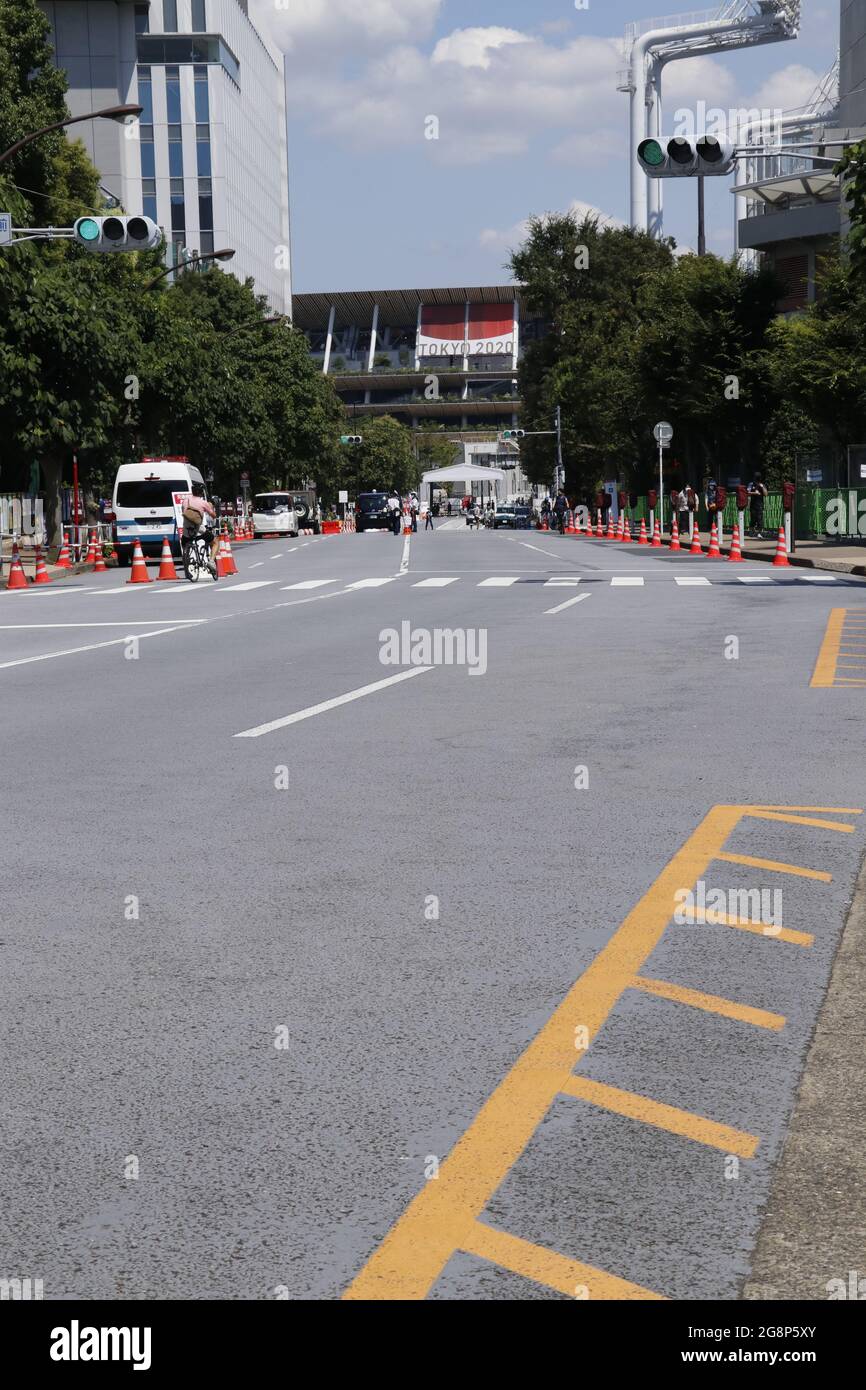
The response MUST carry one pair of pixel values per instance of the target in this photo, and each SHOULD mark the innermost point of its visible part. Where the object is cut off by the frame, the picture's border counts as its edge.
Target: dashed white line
(438, 583)
(686, 581)
(92, 647)
(245, 588)
(627, 581)
(569, 603)
(498, 582)
(309, 584)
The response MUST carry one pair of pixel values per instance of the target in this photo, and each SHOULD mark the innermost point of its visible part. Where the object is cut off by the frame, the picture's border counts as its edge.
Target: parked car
(371, 512)
(505, 516)
(274, 512)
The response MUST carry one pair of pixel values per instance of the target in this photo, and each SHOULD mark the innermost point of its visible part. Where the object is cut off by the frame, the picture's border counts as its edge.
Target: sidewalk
(819, 554)
(28, 564)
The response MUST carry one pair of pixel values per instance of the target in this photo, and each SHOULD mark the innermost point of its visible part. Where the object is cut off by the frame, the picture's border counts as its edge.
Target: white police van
(142, 503)
(274, 514)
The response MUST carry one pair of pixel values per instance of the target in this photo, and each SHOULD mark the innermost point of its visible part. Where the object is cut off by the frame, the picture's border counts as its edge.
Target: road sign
(343, 495)
(663, 432)
(5, 228)
(245, 477)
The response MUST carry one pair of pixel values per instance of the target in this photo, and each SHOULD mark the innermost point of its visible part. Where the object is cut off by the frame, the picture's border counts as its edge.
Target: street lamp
(224, 255)
(111, 113)
(255, 323)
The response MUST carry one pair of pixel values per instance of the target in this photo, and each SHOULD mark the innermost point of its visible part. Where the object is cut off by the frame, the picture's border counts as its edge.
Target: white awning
(463, 472)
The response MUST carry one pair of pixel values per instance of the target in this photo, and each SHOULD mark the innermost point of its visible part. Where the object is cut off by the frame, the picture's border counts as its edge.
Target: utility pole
(560, 479)
(702, 229)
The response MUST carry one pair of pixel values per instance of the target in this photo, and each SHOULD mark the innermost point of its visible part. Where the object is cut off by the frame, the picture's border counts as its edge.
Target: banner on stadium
(444, 330)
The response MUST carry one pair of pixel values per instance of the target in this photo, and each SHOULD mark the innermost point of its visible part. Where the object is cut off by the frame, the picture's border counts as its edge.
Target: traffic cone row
(225, 560)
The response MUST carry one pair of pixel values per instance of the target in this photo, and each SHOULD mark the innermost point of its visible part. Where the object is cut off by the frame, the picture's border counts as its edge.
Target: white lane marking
(561, 583)
(404, 561)
(817, 578)
(569, 603)
(134, 622)
(245, 588)
(497, 582)
(279, 555)
(257, 565)
(333, 704)
(433, 583)
(94, 646)
(535, 547)
(687, 580)
(371, 583)
(628, 581)
(48, 591)
(310, 584)
(754, 579)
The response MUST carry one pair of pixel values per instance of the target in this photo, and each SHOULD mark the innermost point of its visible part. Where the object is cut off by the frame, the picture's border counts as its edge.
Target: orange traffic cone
(626, 535)
(90, 558)
(166, 563)
(714, 553)
(696, 548)
(736, 551)
(100, 566)
(17, 578)
(63, 561)
(599, 530)
(222, 562)
(139, 573)
(781, 557)
(642, 538)
(675, 534)
(42, 575)
(657, 534)
(230, 559)
(610, 534)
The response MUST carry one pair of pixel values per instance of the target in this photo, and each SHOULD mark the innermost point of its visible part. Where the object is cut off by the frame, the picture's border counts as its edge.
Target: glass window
(205, 213)
(205, 242)
(175, 186)
(148, 207)
(148, 164)
(201, 102)
(230, 63)
(198, 15)
(202, 155)
(148, 187)
(172, 96)
(146, 134)
(178, 213)
(169, 16)
(204, 186)
(145, 99)
(147, 492)
(142, 19)
(175, 159)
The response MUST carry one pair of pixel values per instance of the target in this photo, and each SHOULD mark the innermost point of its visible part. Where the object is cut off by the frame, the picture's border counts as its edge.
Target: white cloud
(342, 26)
(791, 87)
(510, 238)
(471, 48)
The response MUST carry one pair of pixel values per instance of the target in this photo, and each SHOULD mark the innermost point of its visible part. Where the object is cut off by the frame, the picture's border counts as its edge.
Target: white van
(142, 504)
(274, 513)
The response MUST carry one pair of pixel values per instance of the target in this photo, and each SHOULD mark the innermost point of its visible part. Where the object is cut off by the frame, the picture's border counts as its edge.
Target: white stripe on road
(434, 583)
(135, 622)
(93, 647)
(689, 580)
(309, 584)
(561, 583)
(569, 603)
(245, 588)
(371, 583)
(817, 578)
(404, 562)
(497, 582)
(754, 579)
(626, 581)
(333, 704)
(279, 555)
(257, 565)
(536, 547)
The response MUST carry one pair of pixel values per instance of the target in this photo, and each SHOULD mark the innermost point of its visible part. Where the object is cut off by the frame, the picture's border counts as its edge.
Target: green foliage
(384, 460)
(32, 93)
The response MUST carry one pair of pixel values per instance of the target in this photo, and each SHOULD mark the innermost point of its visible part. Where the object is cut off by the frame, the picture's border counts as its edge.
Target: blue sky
(529, 121)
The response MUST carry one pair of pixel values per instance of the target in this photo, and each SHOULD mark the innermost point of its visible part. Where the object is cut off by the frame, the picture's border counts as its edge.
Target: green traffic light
(651, 153)
(88, 229)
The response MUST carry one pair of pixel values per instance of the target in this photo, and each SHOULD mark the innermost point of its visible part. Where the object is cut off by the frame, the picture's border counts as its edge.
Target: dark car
(371, 512)
(306, 511)
(505, 516)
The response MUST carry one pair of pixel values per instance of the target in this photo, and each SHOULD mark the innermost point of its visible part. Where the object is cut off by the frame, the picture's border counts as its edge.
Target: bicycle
(196, 554)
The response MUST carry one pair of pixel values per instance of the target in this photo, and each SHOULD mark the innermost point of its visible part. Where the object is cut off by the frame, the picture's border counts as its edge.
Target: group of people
(397, 505)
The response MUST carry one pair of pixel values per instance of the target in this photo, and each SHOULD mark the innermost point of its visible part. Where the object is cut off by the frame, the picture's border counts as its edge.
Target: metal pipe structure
(741, 24)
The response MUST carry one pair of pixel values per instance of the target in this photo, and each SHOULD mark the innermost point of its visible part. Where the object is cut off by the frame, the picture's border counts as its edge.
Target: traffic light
(513, 434)
(116, 233)
(351, 439)
(681, 158)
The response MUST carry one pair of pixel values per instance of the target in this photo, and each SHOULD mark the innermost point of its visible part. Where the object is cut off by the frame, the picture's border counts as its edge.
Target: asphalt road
(256, 990)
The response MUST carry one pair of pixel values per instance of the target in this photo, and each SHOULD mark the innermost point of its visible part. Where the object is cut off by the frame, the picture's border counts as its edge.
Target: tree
(383, 461)
(32, 95)
(852, 166)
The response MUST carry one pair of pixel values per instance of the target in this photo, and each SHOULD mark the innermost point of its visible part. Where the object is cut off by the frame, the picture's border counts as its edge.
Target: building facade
(208, 158)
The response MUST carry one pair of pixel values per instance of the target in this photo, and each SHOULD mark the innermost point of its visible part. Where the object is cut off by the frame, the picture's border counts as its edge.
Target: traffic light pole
(702, 227)
(661, 487)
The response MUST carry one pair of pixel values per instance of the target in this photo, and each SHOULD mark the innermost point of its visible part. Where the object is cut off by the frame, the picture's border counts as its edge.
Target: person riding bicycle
(198, 516)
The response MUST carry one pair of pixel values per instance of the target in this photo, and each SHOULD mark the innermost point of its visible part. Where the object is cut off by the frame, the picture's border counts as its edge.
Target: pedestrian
(394, 510)
(449, 506)
(427, 513)
(682, 510)
(757, 493)
(560, 507)
(710, 497)
(476, 514)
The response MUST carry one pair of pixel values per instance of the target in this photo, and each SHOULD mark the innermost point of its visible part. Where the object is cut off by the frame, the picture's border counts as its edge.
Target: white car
(274, 513)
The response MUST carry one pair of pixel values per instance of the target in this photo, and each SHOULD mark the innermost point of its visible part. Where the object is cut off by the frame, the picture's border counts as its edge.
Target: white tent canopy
(463, 472)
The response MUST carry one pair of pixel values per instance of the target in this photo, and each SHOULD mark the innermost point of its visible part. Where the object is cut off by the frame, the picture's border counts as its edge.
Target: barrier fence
(835, 513)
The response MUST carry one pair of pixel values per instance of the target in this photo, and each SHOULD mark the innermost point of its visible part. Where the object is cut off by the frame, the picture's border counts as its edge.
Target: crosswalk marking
(497, 582)
(244, 588)
(437, 583)
(688, 580)
(628, 581)
(309, 584)
(817, 578)
(371, 583)
(754, 578)
(561, 583)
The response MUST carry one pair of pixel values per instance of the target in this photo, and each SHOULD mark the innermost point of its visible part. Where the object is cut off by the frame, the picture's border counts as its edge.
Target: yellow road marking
(843, 631)
(713, 918)
(710, 1003)
(667, 1117)
(773, 866)
(443, 1218)
(836, 810)
(547, 1267)
(800, 820)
